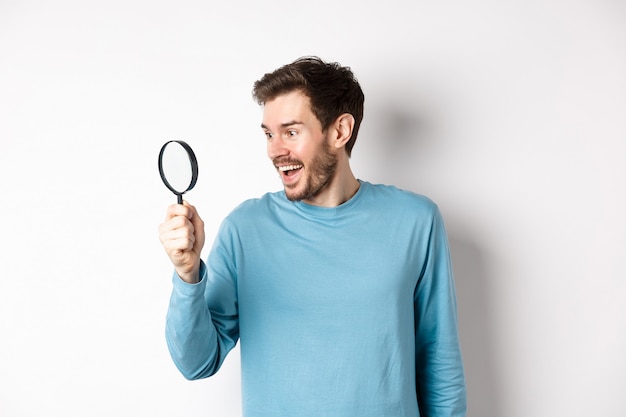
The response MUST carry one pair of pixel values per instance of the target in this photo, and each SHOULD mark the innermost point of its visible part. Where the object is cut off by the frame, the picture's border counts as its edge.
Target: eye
(292, 133)
(269, 135)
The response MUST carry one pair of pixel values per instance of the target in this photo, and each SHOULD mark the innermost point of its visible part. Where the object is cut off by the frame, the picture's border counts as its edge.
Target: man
(340, 291)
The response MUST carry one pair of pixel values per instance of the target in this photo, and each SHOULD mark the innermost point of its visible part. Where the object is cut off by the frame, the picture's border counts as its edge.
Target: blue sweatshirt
(347, 311)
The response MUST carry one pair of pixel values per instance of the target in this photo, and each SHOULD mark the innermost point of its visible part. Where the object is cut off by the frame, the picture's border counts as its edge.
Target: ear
(343, 130)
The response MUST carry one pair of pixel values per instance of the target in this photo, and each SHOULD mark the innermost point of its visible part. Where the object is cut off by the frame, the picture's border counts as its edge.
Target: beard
(318, 176)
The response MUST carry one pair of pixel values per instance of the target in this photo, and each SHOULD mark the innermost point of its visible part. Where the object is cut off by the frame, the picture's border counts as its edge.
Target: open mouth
(289, 170)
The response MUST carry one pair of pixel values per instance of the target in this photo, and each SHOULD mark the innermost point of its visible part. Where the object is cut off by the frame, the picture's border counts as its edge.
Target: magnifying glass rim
(192, 160)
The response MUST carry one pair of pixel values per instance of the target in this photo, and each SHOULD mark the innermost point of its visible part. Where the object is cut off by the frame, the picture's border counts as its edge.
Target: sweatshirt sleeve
(202, 323)
(440, 377)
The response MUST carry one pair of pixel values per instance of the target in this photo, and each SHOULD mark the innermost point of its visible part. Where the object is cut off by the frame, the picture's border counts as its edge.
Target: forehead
(292, 106)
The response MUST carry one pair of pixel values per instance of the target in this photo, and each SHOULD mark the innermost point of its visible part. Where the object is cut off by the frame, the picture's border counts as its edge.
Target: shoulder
(391, 197)
(254, 209)
(259, 203)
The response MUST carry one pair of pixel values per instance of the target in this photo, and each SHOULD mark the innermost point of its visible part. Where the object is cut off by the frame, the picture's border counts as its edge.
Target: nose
(276, 148)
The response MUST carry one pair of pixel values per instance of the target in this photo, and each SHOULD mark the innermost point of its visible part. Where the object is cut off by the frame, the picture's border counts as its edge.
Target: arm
(201, 324)
(439, 366)
(202, 319)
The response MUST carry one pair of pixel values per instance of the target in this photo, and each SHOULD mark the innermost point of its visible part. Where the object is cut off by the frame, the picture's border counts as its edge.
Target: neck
(341, 188)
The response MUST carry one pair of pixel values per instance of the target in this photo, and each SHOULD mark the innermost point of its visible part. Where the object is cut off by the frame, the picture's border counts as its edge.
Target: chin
(296, 194)
(293, 196)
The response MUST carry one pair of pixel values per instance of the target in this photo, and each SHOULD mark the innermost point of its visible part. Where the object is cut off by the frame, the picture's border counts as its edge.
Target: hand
(182, 236)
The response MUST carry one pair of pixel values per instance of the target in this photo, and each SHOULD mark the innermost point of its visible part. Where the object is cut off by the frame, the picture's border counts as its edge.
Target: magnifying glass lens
(178, 167)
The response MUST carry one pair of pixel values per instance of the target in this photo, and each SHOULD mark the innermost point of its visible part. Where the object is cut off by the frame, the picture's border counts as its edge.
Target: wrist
(190, 276)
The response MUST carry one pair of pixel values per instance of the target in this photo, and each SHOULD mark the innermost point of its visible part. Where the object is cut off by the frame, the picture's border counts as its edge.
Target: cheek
(307, 150)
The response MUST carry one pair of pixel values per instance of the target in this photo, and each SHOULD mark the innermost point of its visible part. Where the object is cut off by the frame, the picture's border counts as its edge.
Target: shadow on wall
(405, 144)
(473, 300)
(398, 136)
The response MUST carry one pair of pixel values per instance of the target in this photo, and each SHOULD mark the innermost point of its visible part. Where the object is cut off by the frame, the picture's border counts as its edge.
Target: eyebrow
(284, 125)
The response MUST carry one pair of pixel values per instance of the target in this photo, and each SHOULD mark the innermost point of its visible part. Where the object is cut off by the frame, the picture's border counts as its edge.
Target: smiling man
(340, 291)
(311, 159)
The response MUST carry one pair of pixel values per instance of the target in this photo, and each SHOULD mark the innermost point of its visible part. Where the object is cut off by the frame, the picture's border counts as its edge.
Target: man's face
(298, 147)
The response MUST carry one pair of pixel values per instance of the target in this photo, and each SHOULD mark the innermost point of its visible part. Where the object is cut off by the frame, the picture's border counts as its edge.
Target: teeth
(289, 168)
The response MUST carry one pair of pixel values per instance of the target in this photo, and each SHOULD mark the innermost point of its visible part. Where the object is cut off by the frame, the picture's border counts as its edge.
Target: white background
(510, 115)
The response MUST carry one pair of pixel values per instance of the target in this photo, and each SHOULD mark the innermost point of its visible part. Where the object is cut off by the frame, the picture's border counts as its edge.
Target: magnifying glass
(178, 167)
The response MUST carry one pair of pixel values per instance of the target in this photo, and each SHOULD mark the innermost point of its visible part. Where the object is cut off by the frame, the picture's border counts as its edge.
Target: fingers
(182, 236)
(185, 210)
(198, 226)
(177, 234)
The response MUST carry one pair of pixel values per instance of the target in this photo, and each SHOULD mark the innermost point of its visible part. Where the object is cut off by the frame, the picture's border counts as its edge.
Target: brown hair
(332, 89)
